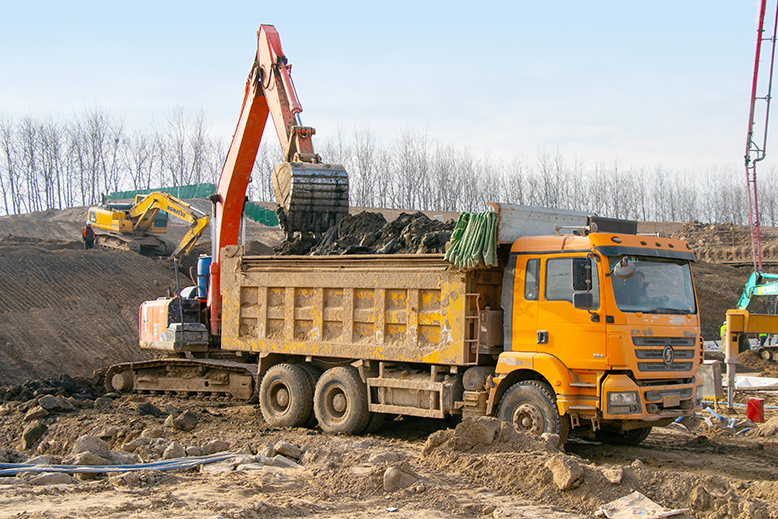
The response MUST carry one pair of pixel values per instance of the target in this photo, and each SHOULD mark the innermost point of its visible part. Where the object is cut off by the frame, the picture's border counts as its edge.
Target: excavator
(132, 226)
(311, 197)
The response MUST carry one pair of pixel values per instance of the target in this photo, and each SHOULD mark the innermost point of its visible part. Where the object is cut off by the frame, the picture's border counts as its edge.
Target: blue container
(203, 273)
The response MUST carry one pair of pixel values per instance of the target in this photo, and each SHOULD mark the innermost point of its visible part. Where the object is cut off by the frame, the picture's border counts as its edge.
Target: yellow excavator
(133, 226)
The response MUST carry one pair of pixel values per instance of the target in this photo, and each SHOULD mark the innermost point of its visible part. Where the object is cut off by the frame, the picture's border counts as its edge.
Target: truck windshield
(659, 286)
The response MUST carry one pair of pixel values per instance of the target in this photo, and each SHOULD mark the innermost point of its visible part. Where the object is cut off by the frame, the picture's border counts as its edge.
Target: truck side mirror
(582, 274)
(583, 299)
(624, 269)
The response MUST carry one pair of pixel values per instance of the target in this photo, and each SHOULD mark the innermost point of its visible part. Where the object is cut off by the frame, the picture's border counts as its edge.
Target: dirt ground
(66, 310)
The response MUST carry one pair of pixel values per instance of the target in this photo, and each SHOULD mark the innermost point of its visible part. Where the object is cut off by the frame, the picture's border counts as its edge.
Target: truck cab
(607, 321)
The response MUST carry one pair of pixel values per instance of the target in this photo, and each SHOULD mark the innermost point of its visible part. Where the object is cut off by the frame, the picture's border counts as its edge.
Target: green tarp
(474, 241)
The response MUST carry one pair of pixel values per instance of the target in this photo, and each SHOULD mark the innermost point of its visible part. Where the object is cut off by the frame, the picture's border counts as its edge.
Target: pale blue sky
(647, 83)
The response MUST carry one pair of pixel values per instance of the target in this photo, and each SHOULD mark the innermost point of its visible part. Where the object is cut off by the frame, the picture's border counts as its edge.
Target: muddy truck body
(559, 335)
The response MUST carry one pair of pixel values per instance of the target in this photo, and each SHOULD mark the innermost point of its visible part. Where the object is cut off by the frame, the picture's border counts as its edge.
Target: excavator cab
(311, 197)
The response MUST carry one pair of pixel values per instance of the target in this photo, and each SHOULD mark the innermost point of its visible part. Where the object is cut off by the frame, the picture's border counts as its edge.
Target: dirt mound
(71, 311)
(754, 362)
(370, 233)
(701, 235)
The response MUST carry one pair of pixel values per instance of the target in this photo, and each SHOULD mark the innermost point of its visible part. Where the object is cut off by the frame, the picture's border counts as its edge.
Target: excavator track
(141, 244)
(186, 378)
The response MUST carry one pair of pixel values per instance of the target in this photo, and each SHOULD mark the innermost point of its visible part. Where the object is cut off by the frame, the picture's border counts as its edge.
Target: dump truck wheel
(633, 437)
(286, 396)
(531, 407)
(340, 401)
(313, 376)
(374, 423)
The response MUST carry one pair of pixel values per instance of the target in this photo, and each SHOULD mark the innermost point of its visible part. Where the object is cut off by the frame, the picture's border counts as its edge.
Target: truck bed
(402, 308)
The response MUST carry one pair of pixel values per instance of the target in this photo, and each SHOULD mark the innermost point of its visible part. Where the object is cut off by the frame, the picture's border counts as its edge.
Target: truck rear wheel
(286, 396)
(340, 401)
(633, 437)
(313, 376)
(530, 406)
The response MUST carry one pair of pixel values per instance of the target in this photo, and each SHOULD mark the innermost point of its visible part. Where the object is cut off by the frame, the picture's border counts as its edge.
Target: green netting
(260, 214)
(190, 191)
(474, 241)
(254, 211)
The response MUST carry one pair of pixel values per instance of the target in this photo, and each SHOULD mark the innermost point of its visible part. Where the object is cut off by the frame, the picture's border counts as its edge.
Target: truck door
(525, 305)
(575, 335)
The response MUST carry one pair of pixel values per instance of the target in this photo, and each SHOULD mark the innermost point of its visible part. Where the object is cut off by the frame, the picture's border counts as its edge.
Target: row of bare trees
(49, 164)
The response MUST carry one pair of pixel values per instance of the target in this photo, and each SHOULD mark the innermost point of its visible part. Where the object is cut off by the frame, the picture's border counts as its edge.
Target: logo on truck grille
(668, 355)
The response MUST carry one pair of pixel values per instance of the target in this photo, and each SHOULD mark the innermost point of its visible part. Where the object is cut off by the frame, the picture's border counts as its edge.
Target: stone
(108, 432)
(45, 459)
(123, 458)
(35, 413)
(152, 432)
(212, 447)
(613, 475)
(553, 440)
(49, 403)
(88, 458)
(133, 445)
(13, 481)
(126, 479)
(64, 404)
(186, 421)
(194, 450)
(6, 409)
(396, 479)
(103, 402)
(488, 510)
(148, 409)
(283, 462)
(52, 478)
(289, 450)
(174, 450)
(384, 457)
(31, 433)
(93, 444)
(168, 422)
(637, 465)
(568, 474)
(268, 451)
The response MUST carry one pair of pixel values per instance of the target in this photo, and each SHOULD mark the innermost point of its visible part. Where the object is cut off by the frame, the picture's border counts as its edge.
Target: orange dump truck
(597, 332)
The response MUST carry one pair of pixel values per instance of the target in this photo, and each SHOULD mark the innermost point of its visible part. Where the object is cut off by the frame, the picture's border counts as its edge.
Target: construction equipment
(131, 226)
(554, 335)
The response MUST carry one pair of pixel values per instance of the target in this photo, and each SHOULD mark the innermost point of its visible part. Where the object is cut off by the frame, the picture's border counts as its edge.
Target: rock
(13, 481)
(134, 444)
(384, 457)
(769, 428)
(717, 486)
(288, 450)
(613, 475)
(174, 450)
(108, 432)
(186, 421)
(64, 404)
(6, 409)
(49, 403)
(637, 465)
(147, 409)
(88, 458)
(212, 447)
(52, 478)
(553, 440)
(396, 479)
(103, 402)
(479, 430)
(126, 479)
(168, 422)
(123, 458)
(268, 451)
(283, 462)
(567, 472)
(194, 450)
(46, 459)
(92, 444)
(31, 434)
(152, 432)
(488, 510)
(36, 413)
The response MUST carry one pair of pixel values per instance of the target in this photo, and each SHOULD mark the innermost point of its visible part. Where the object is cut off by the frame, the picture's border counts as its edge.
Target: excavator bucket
(311, 197)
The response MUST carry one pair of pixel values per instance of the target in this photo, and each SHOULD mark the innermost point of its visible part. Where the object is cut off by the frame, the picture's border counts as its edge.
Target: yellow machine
(131, 226)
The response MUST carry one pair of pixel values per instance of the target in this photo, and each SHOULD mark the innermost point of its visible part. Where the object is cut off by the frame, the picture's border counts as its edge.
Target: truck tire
(340, 401)
(374, 423)
(766, 354)
(633, 437)
(313, 376)
(530, 406)
(286, 396)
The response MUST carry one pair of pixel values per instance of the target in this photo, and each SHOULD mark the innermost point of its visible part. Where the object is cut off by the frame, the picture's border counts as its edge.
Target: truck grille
(665, 353)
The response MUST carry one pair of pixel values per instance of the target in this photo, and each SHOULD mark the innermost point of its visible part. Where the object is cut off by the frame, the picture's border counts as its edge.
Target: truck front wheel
(286, 396)
(340, 401)
(632, 437)
(530, 406)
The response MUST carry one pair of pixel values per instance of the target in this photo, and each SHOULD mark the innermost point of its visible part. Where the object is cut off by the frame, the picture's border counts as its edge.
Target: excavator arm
(147, 206)
(311, 196)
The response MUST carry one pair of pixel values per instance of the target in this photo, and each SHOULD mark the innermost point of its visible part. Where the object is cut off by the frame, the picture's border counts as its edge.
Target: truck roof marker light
(671, 245)
(615, 239)
(658, 244)
(643, 243)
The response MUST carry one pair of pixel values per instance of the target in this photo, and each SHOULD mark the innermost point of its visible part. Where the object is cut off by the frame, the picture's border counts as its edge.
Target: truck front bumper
(623, 399)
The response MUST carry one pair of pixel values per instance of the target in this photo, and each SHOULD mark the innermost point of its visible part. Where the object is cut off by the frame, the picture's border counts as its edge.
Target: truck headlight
(623, 398)
(698, 394)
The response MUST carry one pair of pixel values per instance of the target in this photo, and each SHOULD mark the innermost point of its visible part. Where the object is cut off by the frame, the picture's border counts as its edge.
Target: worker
(762, 338)
(89, 236)
(723, 330)
(639, 289)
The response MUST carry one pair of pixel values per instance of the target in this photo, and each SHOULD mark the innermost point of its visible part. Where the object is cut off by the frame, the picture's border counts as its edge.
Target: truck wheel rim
(527, 418)
(279, 398)
(337, 402)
